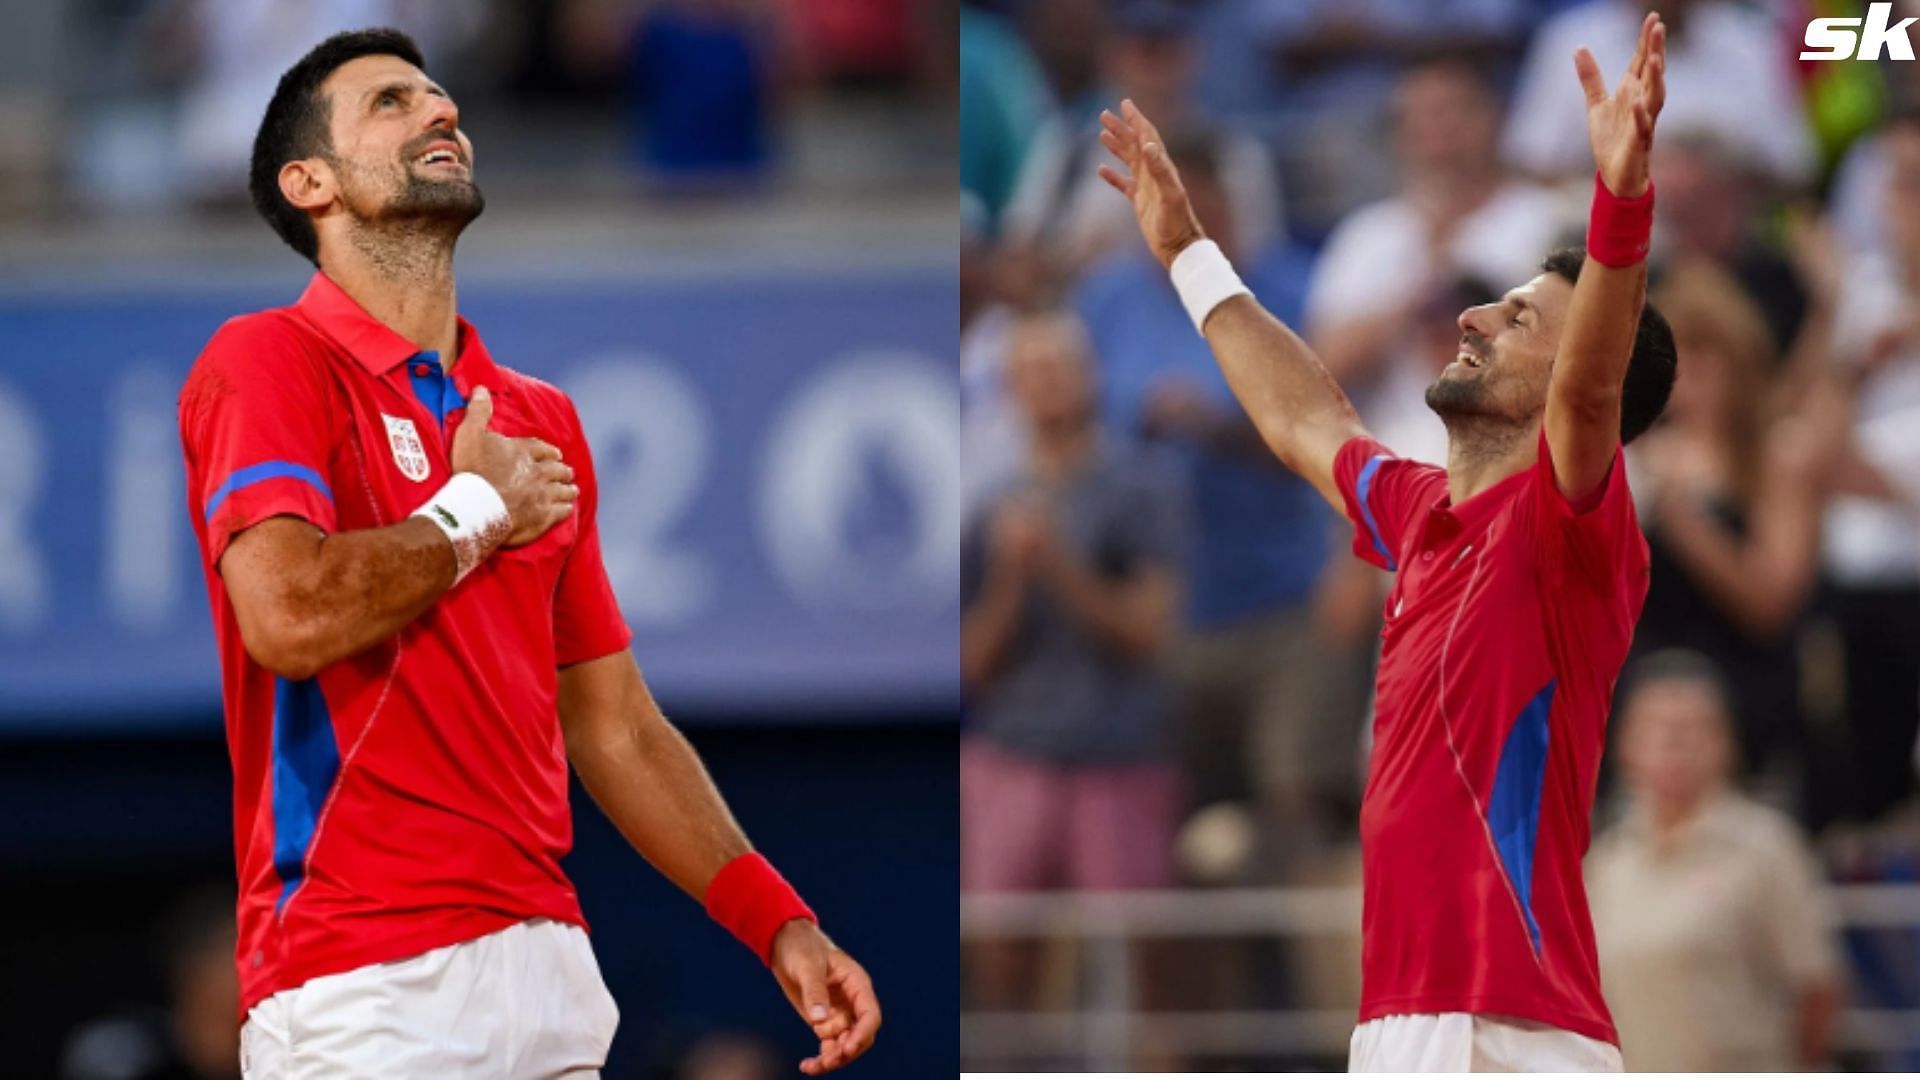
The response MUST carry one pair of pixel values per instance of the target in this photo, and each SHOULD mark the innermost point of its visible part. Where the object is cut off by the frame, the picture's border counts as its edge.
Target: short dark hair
(1679, 665)
(1651, 370)
(295, 125)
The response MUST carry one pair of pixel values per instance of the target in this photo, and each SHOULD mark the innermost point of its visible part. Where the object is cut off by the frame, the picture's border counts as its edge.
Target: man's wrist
(750, 898)
(472, 515)
(1204, 279)
(1619, 228)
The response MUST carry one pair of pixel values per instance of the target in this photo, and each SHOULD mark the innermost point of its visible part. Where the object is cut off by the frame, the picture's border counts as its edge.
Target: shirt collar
(374, 344)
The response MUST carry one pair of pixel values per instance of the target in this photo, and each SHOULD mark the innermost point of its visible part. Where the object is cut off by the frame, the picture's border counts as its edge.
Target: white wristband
(473, 516)
(1204, 279)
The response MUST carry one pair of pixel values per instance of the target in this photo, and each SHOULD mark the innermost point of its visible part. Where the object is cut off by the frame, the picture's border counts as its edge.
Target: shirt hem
(1491, 1005)
(333, 961)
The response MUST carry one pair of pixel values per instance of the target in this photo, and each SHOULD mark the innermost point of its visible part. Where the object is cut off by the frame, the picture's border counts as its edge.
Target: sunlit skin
(1505, 359)
(388, 120)
(388, 220)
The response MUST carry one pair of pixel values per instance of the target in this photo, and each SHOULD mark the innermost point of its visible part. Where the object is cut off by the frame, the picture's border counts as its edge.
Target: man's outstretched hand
(1151, 182)
(830, 991)
(1620, 125)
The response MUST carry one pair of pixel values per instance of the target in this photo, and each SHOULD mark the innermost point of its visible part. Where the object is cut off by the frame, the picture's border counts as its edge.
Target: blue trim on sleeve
(306, 758)
(265, 470)
(1362, 488)
(1513, 808)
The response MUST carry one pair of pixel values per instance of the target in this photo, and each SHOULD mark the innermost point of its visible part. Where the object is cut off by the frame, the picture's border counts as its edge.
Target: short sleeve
(587, 623)
(1385, 496)
(1596, 539)
(255, 419)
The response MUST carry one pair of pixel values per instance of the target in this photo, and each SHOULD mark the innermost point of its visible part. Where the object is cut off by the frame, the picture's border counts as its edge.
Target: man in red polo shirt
(418, 637)
(1521, 573)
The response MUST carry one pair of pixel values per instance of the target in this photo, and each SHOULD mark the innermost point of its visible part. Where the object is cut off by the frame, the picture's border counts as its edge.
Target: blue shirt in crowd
(1261, 533)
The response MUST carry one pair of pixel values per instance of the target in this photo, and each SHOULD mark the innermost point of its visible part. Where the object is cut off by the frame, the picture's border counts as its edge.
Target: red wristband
(1619, 230)
(749, 897)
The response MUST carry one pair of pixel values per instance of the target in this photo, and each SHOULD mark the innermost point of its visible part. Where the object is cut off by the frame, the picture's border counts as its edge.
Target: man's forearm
(1300, 411)
(334, 595)
(649, 782)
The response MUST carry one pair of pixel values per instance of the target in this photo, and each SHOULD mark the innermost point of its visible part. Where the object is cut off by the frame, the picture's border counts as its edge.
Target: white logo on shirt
(408, 451)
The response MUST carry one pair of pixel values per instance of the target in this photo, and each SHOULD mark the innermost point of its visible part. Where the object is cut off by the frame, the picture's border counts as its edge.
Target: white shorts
(519, 1003)
(1464, 1042)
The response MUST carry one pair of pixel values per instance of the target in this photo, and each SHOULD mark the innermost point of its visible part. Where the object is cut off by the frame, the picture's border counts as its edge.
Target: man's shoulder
(1757, 828)
(535, 390)
(266, 328)
(253, 350)
(549, 407)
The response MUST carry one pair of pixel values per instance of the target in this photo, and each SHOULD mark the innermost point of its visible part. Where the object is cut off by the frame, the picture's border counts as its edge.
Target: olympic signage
(777, 453)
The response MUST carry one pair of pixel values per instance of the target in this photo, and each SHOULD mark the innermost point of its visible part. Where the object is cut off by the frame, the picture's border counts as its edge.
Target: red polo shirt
(414, 795)
(1504, 633)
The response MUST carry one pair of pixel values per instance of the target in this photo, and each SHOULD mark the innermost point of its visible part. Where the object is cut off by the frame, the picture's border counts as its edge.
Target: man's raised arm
(1297, 407)
(1583, 399)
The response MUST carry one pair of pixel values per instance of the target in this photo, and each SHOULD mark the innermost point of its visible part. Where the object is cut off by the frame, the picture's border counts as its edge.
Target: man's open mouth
(440, 153)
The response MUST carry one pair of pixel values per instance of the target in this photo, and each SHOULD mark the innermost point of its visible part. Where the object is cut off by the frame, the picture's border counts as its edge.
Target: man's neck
(1486, 452)
(406, 282)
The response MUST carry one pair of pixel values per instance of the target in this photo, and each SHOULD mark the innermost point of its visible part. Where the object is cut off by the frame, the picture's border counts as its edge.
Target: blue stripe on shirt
(265, 470)
(1363, 488)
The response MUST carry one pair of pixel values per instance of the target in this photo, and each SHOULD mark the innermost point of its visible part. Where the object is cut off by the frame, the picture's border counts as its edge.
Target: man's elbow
(284, 644)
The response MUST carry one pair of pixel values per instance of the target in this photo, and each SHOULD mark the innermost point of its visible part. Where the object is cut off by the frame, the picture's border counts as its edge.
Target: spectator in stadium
(1261, 720)
(1716, 952)
(1859, 178)
(1711, 207)
(232, 53)
(1314, 79)
(1457, 212)
(703, 82)
(1148, 53)
(1008, 282)
(1872, 529)
(1730, 75)
(1732, 493)
(1070, 583)
(195, 1037)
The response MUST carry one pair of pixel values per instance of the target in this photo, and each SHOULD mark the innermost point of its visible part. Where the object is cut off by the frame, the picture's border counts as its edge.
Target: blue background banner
(778, 459)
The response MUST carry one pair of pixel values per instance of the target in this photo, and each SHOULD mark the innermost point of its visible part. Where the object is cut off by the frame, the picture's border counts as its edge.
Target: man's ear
(307, 183)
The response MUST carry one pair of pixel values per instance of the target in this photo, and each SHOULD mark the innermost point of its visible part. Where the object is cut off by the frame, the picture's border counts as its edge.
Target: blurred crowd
(137, 105)
(1167, 648)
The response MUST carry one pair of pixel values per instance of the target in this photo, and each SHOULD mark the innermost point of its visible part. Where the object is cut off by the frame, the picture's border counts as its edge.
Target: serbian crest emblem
(408, 452)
